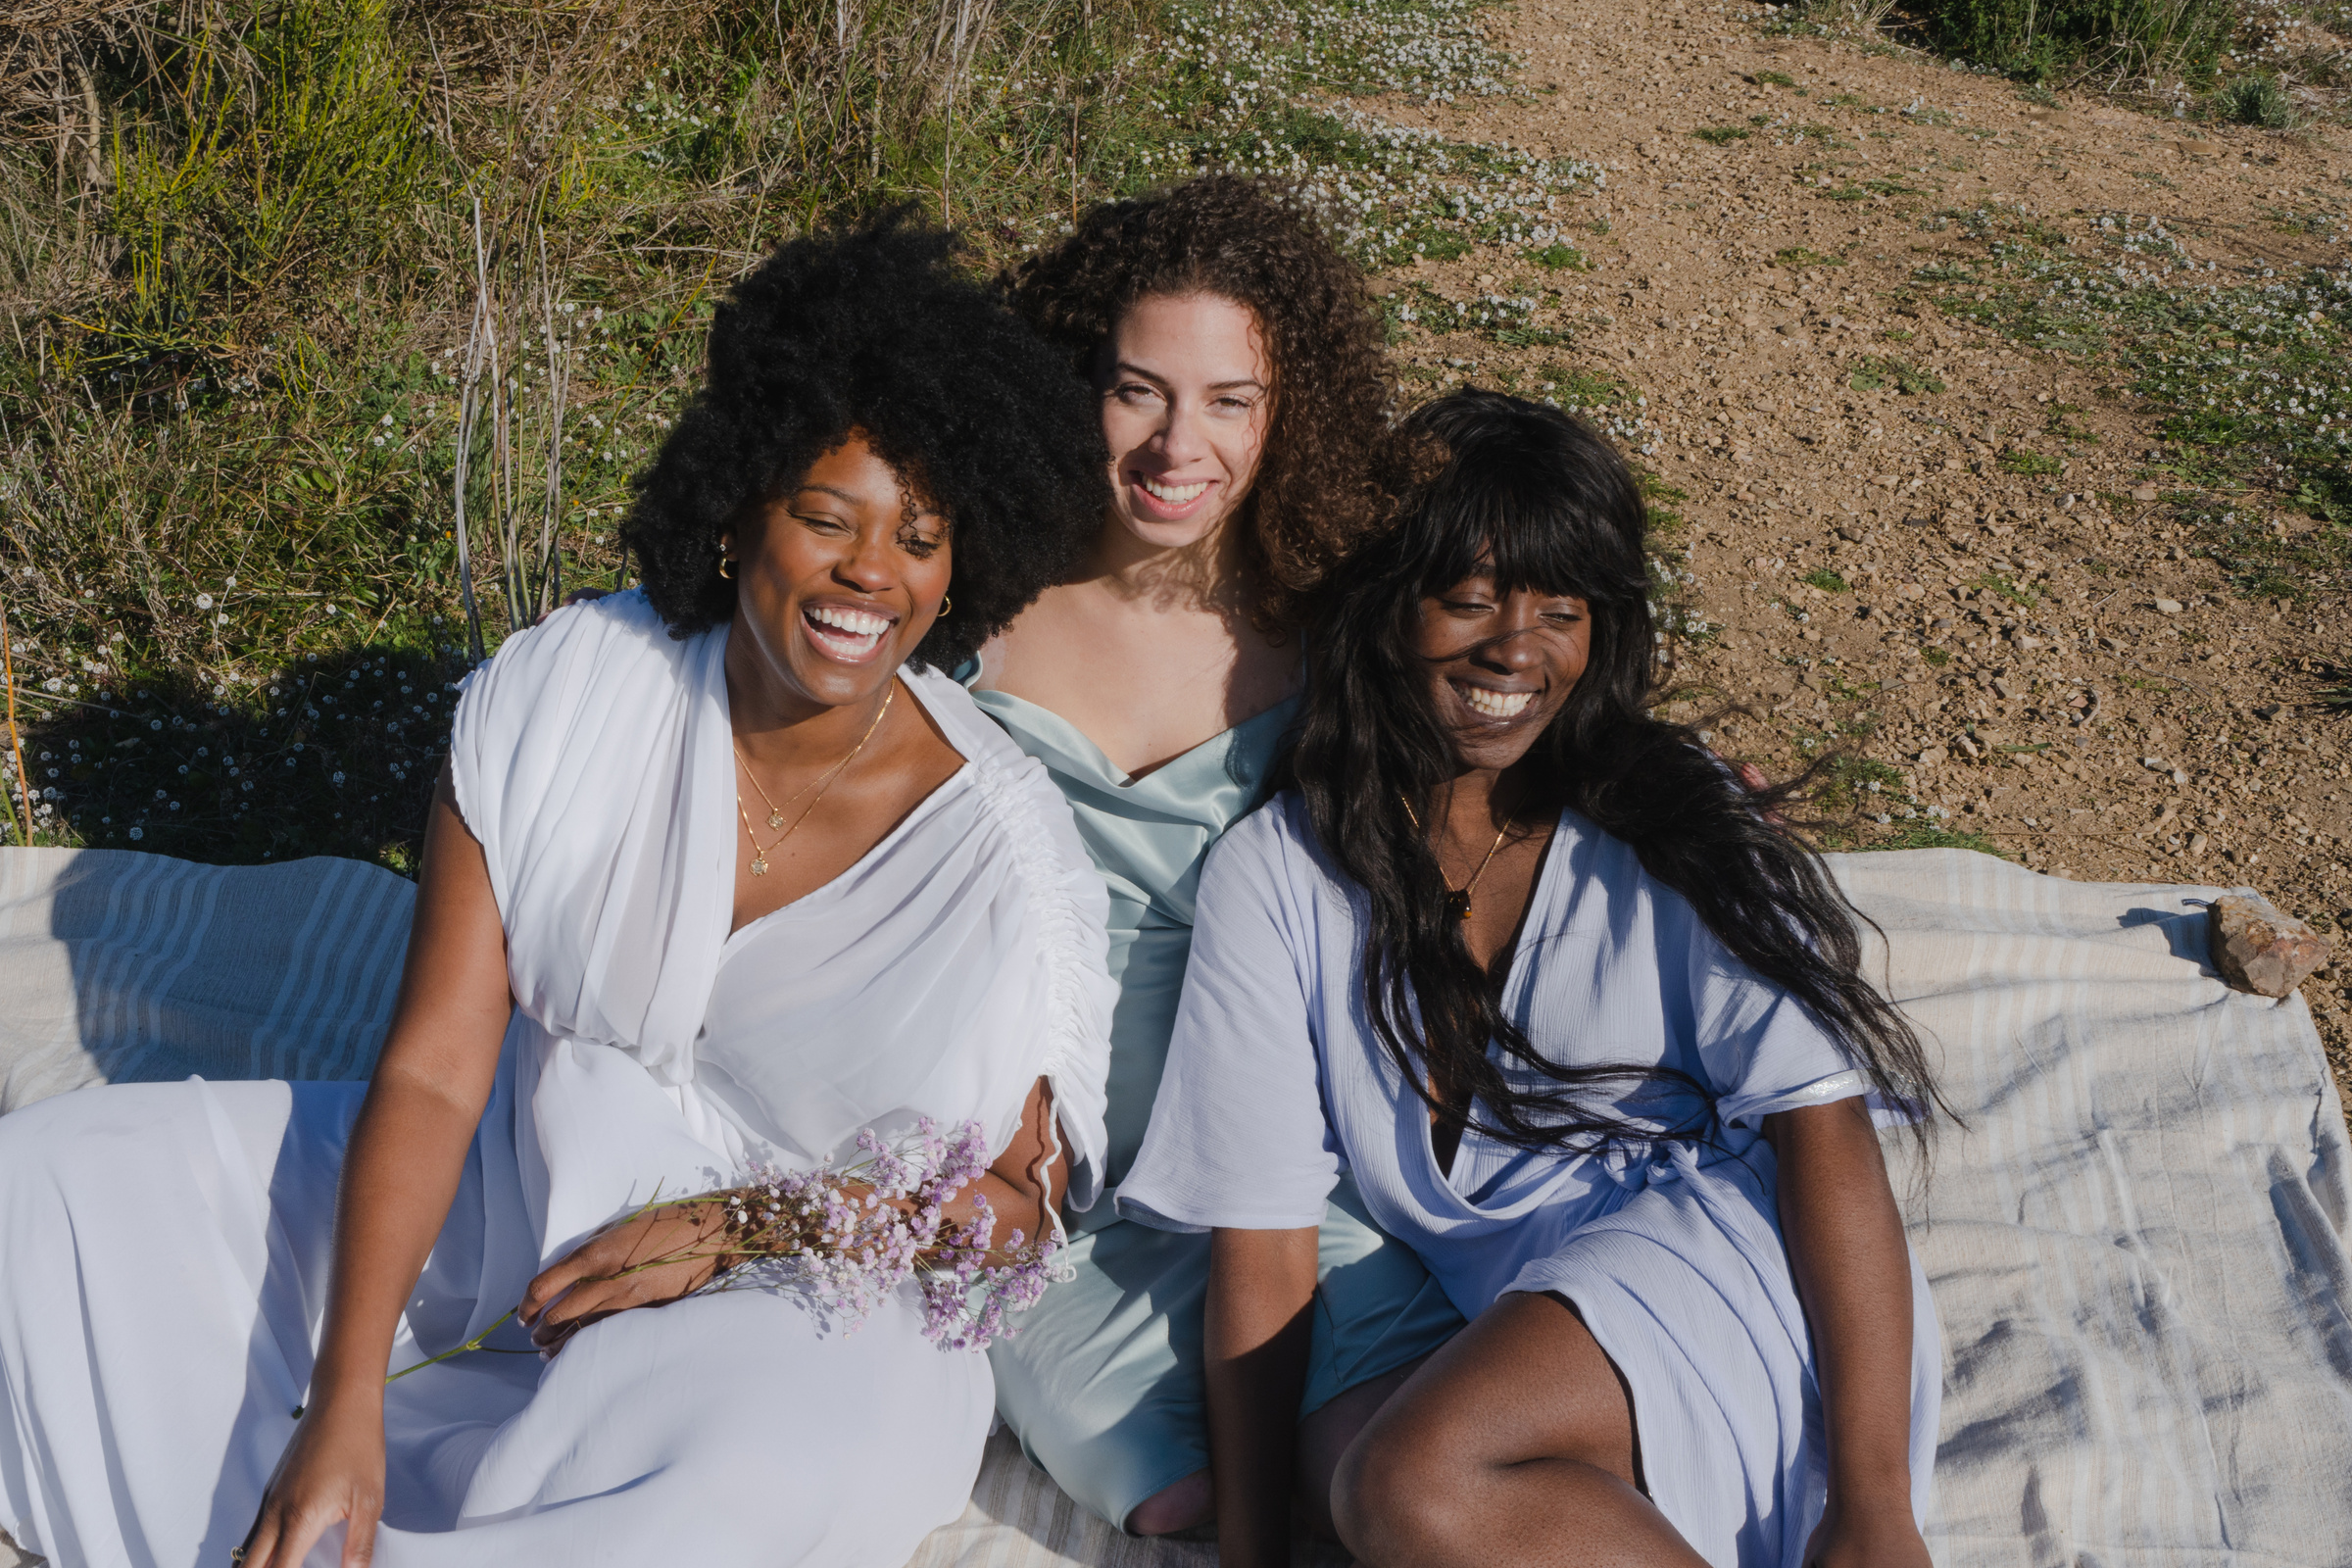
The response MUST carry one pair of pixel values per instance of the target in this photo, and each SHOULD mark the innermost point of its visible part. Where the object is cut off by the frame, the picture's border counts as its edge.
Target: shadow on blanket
(2138, 1245)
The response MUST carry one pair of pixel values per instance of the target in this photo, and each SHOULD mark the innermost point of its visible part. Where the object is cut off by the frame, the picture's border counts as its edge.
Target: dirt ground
(2126, 717)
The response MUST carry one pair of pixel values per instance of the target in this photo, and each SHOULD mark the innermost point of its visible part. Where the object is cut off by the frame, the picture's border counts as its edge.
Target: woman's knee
(1185, 1504)
(1397, 1494)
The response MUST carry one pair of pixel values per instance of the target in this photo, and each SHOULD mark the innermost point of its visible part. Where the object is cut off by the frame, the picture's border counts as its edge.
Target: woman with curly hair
(699, 891)
(1243, 397)
(1591, 1032)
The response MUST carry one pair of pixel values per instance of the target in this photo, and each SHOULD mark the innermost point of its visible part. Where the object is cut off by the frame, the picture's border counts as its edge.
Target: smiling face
(1500, 664)
(837, 580)
(1187, 392)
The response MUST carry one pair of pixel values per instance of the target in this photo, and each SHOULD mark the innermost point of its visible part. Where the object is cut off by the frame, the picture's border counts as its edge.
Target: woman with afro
(1236, 369)
(722, 870)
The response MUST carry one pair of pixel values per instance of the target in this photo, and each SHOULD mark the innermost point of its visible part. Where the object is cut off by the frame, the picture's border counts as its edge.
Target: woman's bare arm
(1853, 1274)
(1261, 1287)
(400, 1173)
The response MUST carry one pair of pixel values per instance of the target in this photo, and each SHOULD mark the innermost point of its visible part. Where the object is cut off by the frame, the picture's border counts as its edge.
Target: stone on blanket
(2256, 949)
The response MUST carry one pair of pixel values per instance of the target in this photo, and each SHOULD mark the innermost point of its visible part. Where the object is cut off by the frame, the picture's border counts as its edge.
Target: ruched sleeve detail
(1239, 1138)
(1070, 907)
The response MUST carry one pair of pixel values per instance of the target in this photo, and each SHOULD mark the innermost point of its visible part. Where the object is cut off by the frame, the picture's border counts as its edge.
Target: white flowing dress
(1671, 1252)
(165, 1246)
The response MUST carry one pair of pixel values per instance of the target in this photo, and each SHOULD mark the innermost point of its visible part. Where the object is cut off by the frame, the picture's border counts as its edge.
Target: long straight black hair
(1536, 500)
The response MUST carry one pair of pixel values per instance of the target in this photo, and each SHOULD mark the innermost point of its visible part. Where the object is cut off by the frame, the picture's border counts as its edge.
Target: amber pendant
(1458, 904)
(760, 865)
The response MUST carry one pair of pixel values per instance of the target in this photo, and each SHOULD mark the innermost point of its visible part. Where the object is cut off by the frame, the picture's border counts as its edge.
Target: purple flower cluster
(856, 1235)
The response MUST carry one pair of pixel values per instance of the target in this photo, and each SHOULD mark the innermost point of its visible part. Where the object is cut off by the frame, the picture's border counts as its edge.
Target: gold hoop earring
(723, 564)
(945, 605)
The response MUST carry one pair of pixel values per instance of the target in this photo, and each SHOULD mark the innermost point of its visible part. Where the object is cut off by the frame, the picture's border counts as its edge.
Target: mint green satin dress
(1102, 1384)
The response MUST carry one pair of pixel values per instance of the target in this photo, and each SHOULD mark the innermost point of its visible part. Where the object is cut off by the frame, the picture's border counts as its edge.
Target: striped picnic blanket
(2137, 1242)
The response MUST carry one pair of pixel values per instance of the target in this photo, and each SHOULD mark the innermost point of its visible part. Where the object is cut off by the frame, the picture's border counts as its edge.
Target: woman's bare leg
(1184, 1504)
(1326, 1436)
(1513, 1445)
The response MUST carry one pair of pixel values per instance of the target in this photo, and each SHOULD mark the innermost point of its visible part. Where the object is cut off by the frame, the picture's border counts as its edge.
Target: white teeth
(1176, 494)
(857, 622)
(1496, 704)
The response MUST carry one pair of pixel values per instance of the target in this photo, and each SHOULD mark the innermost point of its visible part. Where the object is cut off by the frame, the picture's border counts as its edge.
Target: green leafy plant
(1722, 135)
(1878, 371)
(1796, 256)
(1823, 578)
(2063, 424)
(1559, 256)
(2260, 101)
(2024, 459)
(1773, 79)
(2018, 593)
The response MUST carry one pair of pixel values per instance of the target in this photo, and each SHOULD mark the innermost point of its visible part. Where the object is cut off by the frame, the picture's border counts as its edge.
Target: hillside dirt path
(2181, 731)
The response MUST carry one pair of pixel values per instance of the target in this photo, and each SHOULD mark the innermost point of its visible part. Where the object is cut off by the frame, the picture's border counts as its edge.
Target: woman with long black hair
(1588, 1030)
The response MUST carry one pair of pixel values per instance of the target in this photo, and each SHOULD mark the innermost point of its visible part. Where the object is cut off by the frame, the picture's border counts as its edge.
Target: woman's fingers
(285, 1534)
(551, 1283)
(358, 1535)
(261, 1540)
(644, 1261)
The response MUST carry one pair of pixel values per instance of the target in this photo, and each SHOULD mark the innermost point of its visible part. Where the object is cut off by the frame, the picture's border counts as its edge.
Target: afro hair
(874, 329)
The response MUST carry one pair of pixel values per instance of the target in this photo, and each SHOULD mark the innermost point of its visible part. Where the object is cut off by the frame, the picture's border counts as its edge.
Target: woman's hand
(1886, 1537)
(332, 1472)
(645, 1260)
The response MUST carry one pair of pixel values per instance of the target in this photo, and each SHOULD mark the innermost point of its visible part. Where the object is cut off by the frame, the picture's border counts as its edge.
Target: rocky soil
(2041, 662)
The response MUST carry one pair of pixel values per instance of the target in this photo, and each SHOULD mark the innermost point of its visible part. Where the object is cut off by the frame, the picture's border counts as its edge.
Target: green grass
(1878, 371)
(1827, 581)
(1722, 135)
(235, 354)
(1559, 256)
(1798, 256)
(2018, 593)
(1773, 79)
(1944, 273)
(2258, 100)
(2063, 424)
(2248, 373)
(2038, 41)
(1924, 833)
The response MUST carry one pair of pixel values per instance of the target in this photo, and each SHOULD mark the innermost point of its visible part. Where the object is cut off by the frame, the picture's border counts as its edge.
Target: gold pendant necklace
(1457, 899)
(775, 812)
(775, 817)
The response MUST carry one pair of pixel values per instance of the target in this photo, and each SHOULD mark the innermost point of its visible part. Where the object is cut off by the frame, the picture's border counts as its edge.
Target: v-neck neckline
(1538, 900)
(1077, 742)
(914, 814)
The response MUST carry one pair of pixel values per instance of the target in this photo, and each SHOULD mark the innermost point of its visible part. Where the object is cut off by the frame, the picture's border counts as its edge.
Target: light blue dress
(1102, 1383)
(1276, 1087)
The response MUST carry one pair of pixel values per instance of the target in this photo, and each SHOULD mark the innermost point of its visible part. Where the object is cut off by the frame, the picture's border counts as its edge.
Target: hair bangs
(1531, 497)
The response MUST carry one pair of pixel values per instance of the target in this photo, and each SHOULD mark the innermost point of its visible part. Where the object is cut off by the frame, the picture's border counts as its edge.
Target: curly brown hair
(1331, 464)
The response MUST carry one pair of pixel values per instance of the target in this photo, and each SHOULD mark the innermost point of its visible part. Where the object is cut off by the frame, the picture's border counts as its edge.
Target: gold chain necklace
(775, 812)
(1457, 899)
(758, 866)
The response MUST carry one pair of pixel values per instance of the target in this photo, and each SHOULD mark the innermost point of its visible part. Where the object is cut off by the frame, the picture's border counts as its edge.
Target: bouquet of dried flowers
(857, 1234)
(854, 1235)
